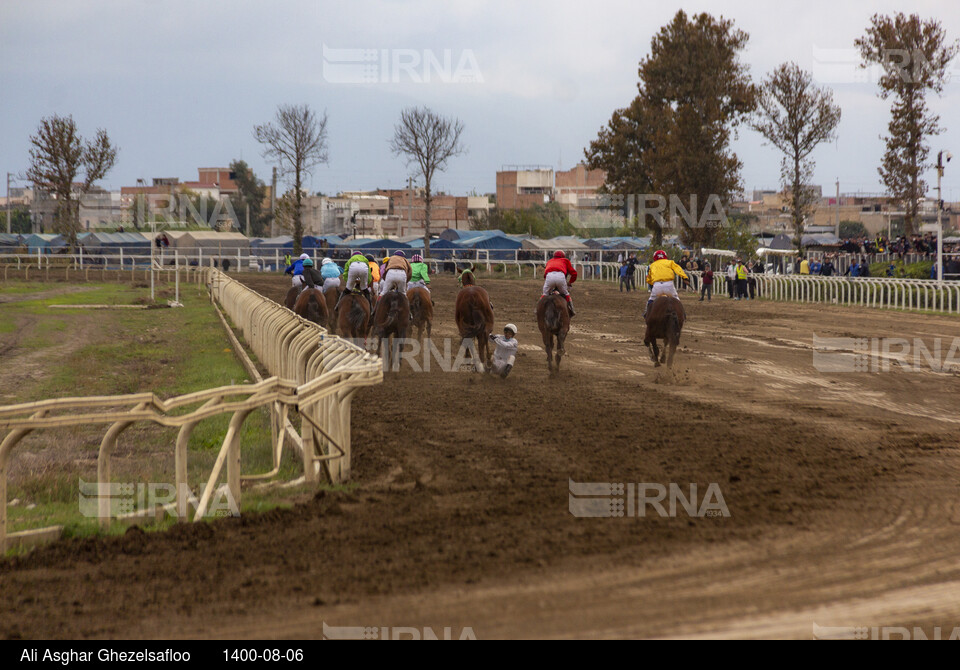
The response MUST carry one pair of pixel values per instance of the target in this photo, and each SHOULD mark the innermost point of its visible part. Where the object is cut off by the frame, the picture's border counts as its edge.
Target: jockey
(330, 272)
(296, 268)
(556, 273)
(375, 271)
(311, 278)
(506, 352)
(419, 273)
(397, 274)
(356, 274)
(660, 277)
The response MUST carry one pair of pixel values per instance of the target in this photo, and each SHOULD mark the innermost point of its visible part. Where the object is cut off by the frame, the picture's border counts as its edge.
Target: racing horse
(553, 318)
(664, 321)
(331, 299)
(353, 317)
(312, 306)
(391, 318)
(292, 294)
(474, 317)
(421, 311)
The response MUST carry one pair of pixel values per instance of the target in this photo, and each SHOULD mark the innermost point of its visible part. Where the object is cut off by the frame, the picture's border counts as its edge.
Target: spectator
(731, 279)
(624, 280)
(706, 286)
(741, 274)
(827, 268)
(804, 267)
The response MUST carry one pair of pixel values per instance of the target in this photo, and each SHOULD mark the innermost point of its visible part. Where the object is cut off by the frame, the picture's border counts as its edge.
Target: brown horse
(312, 306)
(421, 311)
(664, 320)
(331, 299)
(292, 294)
(353, 317)
(553, 318)
(474, 317)
(391, 320)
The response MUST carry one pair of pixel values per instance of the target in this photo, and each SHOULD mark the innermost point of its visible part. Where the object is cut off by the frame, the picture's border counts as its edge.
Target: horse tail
(673, 326)
(551, 317)
(355, 315)
(415, 306)
(393, 314)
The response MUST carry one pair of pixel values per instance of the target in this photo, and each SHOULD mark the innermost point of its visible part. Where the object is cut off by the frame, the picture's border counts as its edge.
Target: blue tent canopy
(103, 243)
(45, 243)
(498, 245)
(439, 248)
(10, 240)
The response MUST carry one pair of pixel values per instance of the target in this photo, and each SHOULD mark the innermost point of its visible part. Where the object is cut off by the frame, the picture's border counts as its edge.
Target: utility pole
(410, 203)
(837, 232)
(940, 216)
(9, 174)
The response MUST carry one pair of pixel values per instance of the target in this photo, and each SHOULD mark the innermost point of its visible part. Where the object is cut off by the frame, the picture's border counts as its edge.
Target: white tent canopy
(718, 252)
(782, 252)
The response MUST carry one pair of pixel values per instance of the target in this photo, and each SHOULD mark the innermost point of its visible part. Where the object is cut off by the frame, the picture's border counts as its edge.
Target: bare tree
(430, 141)
(795, 116)
(297, 142)
(914, 55)
(57, 155)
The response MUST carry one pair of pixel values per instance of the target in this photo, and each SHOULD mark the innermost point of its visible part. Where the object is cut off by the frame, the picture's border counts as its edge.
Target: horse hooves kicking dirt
(421, 311)
(353, 317)
(664, 321)
(553, 318)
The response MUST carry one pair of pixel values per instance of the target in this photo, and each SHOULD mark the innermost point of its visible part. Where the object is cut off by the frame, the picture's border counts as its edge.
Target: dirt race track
(843, 491)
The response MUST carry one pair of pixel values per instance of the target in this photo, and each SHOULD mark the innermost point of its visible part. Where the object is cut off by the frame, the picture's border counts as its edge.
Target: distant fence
(316, 374)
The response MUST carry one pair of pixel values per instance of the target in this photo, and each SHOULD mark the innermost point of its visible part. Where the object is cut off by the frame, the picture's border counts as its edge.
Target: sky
(180, 85)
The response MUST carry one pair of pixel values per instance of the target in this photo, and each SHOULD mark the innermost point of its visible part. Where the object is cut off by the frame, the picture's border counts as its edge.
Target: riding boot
(369, 295)
(647, 308)
(339, 300)
(570, 306)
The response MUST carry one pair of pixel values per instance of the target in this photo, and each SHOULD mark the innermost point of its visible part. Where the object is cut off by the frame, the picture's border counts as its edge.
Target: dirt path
(841, 489)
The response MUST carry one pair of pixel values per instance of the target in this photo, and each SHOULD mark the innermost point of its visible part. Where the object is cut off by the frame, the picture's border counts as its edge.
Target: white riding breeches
(394, 279)
(417, 284)
(298, 281)
(331, 283)
(358, 275)
(555, 280)
(663, 288)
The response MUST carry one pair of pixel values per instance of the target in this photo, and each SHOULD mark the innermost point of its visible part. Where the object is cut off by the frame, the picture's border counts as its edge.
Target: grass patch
(113, 352)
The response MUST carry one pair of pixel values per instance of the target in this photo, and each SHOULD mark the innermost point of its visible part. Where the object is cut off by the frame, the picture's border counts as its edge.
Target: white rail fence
(315, 374)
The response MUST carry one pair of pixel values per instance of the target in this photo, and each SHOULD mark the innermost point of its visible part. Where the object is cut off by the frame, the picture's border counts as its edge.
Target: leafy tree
(852, 229)
(736, 236)
(19, 220)
(914, 55)
(674, 139)
(428, 140)
(58, 155)
(297, 142)
(795, 116)
(253, 191)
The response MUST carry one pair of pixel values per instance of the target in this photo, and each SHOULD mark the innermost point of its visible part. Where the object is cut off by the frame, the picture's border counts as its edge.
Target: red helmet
(660, 255)
(558, 254)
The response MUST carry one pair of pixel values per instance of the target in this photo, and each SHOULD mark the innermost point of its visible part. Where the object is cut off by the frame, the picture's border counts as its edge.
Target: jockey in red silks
(555, 277)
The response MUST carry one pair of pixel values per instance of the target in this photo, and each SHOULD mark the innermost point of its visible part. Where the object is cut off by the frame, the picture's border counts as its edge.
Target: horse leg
(654, 352)
(666, 345)
(548, 346)
(561, 337)
(481, 357)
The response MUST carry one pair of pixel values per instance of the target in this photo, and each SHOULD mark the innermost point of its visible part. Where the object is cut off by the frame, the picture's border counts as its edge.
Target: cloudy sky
(179, 85)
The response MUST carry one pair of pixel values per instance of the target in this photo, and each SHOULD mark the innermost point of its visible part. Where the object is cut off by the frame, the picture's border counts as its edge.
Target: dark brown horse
(474, 317)
(312, 306)
(664, 321)
(353, 317)
(391, 319)
(292, 294)
(553, 318)
(421, 311)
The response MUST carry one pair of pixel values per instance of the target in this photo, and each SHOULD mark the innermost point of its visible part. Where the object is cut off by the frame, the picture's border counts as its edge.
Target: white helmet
(512, 327)
(304, 257)
(325, 261)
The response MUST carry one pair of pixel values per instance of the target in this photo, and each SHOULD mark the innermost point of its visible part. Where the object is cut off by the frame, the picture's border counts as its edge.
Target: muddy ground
(842, 489)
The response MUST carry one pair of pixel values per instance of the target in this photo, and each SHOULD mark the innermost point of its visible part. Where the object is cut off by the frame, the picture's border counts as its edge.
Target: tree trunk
(297, 220)
(427, 202)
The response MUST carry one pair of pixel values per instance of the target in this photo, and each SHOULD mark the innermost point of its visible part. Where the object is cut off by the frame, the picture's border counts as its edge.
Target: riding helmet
(511, 327)
(399, 253)
(326, 260)
(558, 254)
(308, 262)
(660, 255)
(417, 258)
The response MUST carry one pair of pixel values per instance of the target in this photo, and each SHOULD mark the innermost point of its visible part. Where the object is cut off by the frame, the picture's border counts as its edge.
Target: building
(578, 187)
(523, 187)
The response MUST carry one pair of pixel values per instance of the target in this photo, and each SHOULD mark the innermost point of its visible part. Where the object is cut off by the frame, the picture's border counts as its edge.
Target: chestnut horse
(391, 318)
(353, 317)
(421, 311)
(331, 299)
(665, 321)
(312, 306)
(553, 318)
(474, 317)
